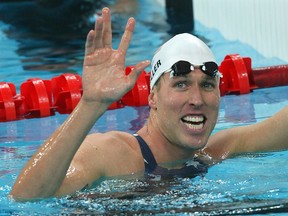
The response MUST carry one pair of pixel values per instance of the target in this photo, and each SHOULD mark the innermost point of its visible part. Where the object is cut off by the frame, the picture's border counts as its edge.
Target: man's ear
(152, 98)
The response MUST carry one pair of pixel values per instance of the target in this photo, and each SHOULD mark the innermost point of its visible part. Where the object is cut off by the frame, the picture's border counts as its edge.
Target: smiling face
(185, 108)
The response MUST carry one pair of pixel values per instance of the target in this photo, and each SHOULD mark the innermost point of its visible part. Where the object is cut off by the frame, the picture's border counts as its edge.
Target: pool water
(247, 184)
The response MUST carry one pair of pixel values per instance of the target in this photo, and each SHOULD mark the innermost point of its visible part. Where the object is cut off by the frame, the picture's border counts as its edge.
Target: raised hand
(104, 79)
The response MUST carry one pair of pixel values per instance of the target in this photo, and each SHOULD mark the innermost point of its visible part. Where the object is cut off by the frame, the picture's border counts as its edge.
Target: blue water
(248, 184)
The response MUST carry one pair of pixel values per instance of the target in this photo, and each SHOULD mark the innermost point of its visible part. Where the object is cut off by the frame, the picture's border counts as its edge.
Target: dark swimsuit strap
(152, 169)
(150, 162)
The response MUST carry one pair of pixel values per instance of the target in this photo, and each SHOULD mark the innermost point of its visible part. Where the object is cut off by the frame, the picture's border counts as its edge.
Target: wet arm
(268, 135)
(44, 173)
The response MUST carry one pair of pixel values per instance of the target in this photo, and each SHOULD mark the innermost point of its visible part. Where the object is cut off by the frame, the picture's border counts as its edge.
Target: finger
(127, 36)
(89, 47)
(136, 71)
(106, 32)
(98, 43)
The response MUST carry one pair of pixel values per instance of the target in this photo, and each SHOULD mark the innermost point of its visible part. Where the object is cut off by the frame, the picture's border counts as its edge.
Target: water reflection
(250, 108)
(60, 49)
(51, 35)
(142, 116)
(37, 130)
(242, 109)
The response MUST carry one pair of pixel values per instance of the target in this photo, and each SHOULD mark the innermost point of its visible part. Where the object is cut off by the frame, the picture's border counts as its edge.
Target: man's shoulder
(119, 152)
(115, 139)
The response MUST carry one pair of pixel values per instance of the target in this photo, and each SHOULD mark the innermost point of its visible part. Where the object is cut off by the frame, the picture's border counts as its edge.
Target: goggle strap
(172, 73)
(219, 74)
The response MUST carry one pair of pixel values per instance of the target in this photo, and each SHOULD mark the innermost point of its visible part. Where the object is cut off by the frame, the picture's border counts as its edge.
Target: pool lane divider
(42, 98)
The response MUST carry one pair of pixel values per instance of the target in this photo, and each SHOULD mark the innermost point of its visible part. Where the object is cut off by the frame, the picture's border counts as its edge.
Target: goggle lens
(184, 67)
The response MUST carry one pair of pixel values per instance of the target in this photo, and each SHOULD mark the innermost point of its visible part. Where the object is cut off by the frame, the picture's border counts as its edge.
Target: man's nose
(196, 96)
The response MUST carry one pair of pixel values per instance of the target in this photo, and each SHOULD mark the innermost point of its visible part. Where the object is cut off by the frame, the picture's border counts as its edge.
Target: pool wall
(260, 23)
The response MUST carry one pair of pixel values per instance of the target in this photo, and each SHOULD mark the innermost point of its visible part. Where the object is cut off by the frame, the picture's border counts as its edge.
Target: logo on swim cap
(155, 67)
(182, 47)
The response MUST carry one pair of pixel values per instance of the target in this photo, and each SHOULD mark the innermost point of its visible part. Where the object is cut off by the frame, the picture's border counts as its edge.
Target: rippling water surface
(248, 184)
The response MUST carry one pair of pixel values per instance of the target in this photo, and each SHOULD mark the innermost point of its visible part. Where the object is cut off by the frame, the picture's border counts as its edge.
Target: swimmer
(176, 140)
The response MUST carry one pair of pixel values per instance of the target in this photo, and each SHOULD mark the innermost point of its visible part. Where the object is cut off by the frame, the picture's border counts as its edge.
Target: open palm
(104, 78)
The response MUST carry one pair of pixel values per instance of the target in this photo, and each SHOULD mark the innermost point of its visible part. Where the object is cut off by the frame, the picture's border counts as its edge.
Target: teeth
(194, 119)
(194, 126)
(194, 122)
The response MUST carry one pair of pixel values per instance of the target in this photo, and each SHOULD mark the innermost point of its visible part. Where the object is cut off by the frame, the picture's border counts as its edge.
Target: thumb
(137, 69)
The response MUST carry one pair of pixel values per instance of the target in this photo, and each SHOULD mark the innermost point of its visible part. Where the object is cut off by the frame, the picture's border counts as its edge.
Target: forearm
(268, 135)
(102, 68)
(43, 174)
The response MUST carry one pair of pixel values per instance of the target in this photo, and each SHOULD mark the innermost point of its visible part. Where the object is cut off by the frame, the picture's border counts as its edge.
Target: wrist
(92, 106)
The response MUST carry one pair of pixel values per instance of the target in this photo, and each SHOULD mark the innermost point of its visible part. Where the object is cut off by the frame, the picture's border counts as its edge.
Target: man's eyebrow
(207, 78)
(204, 78)
(179, 76)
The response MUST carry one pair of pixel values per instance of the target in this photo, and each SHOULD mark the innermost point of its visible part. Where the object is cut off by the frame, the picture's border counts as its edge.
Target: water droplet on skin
(70, 171)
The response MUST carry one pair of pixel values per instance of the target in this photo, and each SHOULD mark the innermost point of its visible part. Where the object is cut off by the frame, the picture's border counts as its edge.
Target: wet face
(185, 108)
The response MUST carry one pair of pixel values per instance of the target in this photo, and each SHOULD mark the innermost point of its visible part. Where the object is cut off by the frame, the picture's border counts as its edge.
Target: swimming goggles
(185, 67)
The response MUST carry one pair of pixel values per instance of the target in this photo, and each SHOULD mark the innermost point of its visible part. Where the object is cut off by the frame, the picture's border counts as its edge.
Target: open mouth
(195, 122)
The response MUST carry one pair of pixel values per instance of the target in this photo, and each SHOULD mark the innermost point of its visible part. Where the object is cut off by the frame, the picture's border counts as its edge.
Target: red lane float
(37, 97)
(67, 92)
(237, 77)
(138, 96)
(240, 78)
(7, 105)
(272, 76)
(41, 98)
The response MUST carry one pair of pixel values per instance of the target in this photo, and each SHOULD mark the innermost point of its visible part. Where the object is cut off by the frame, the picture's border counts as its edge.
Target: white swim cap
(182, 47)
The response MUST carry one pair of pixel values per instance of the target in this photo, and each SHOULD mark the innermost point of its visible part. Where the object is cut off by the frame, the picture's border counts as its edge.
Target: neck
(164, 151)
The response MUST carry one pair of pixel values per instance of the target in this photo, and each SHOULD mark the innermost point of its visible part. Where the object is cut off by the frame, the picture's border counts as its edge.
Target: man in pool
(175, 141)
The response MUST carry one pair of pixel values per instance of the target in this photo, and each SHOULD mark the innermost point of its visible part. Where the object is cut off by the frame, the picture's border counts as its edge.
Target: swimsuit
(191, 169)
